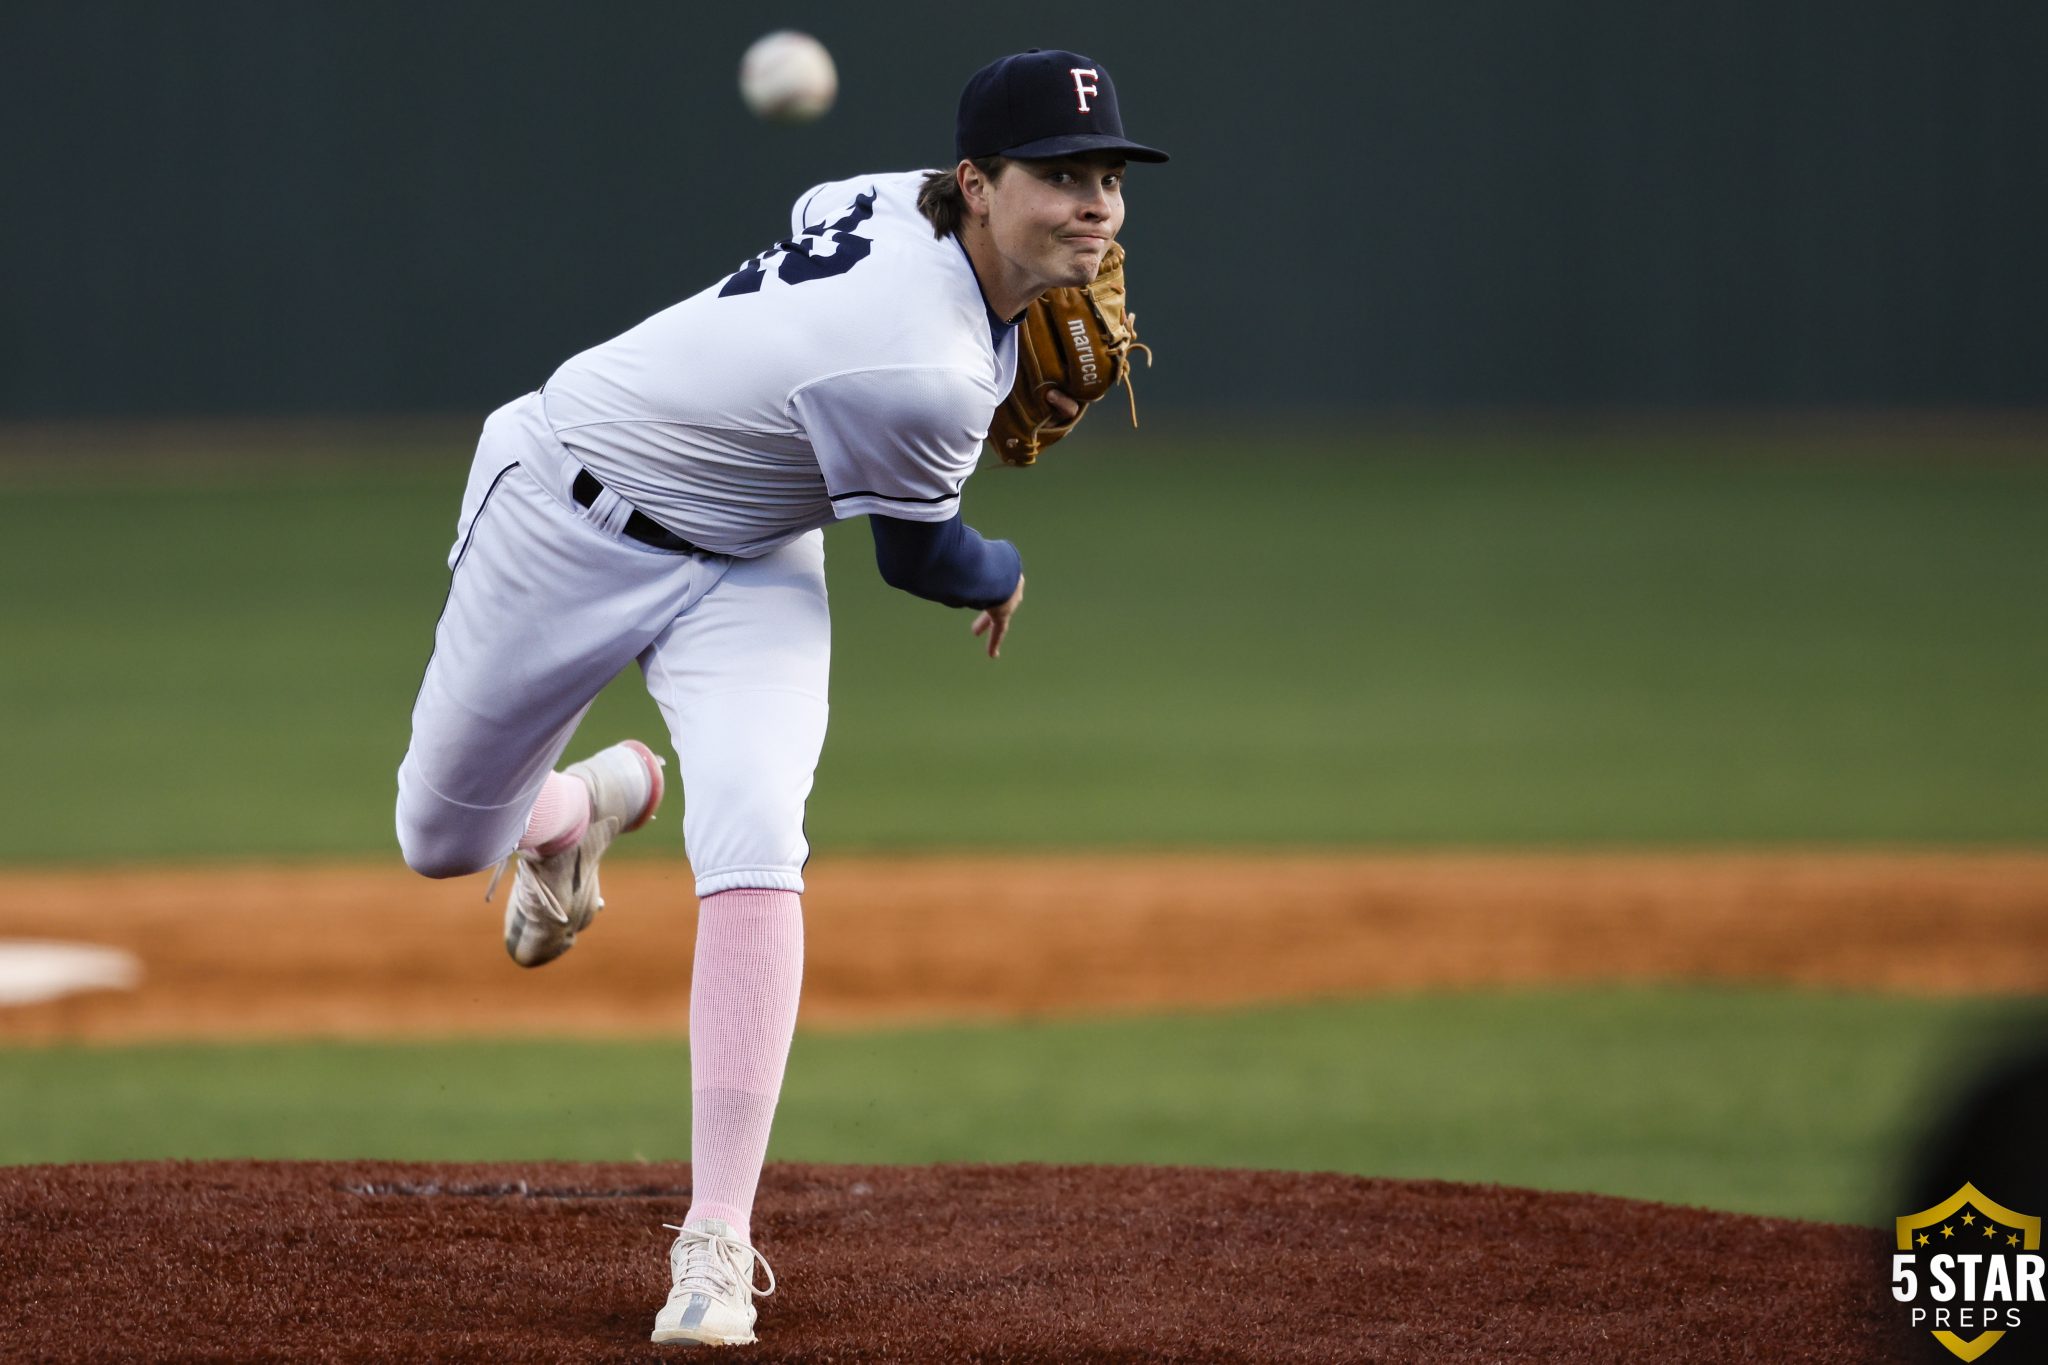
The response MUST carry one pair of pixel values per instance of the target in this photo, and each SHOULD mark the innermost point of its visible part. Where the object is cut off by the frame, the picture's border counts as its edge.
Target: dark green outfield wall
(288, 206)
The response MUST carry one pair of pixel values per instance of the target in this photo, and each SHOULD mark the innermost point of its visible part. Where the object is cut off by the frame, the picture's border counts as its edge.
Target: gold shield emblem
(1970, 1215)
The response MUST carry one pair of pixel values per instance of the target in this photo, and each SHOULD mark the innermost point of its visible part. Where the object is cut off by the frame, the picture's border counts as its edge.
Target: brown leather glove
(1078, 341)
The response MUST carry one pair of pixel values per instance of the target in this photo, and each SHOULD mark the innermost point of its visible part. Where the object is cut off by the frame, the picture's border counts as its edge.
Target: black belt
(639, 526)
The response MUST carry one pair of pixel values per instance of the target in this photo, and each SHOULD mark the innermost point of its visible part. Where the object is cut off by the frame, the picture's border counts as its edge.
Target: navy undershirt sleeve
(945, 561)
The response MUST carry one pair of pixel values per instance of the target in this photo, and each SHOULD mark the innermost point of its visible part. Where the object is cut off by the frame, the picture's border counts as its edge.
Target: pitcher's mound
(557, 1262)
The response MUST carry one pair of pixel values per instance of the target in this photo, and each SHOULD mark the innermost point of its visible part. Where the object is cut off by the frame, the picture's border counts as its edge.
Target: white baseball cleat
(712, 1301)
(554, 898)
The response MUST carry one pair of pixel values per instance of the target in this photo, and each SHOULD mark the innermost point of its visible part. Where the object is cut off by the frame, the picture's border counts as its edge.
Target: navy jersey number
(801, 261)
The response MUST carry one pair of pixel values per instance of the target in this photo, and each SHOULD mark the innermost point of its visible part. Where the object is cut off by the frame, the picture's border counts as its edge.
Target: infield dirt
(354, 950)
(260, 1262)
(370, 1261)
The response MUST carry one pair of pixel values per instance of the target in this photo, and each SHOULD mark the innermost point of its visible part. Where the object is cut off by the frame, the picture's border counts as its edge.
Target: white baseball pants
(547, 602)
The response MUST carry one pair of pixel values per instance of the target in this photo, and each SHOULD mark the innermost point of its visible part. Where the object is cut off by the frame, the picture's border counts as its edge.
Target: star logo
(1967, 1300)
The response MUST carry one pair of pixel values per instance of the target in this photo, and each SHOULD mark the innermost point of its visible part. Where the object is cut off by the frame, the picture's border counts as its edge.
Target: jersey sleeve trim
(899, 439)
(891, 497)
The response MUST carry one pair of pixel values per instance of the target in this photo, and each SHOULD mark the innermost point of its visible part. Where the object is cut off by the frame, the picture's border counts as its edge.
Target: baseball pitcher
(659, 501)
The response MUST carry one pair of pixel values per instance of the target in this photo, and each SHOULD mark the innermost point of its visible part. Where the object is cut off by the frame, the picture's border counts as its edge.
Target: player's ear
(974, 187)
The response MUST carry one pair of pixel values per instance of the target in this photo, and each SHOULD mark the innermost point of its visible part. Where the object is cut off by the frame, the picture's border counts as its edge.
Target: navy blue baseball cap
(1041, 104)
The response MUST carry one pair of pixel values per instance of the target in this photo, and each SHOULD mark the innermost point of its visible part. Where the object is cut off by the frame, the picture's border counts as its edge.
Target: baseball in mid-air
(788, 77)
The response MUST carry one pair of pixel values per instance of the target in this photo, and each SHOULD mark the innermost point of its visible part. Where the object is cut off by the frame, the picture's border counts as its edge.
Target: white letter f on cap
(1083, 86)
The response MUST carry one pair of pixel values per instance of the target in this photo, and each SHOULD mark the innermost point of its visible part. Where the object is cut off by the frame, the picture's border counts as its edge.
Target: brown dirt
(355, 950)
(271, 1261)
(278, 1261)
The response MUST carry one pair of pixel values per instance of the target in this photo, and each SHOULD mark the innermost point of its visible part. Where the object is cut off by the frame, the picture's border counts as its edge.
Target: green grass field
(1425, 640)
(1445, 641)
(1783, 1104)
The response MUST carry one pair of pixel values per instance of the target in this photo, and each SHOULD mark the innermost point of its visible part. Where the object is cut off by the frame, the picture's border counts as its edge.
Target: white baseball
(789, 77)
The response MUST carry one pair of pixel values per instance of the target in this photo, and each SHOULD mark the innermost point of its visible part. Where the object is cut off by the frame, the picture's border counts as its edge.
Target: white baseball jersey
(850, 369)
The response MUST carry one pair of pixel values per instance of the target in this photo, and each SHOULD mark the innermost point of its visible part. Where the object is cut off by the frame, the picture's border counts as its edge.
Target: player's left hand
(1066, 407)
(995, 622)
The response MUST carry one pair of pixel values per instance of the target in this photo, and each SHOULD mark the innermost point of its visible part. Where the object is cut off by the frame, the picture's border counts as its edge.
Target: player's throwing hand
(995, 622)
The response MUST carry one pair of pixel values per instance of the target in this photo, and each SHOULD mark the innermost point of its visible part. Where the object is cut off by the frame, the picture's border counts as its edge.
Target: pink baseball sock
(743, 996)
(560, 815)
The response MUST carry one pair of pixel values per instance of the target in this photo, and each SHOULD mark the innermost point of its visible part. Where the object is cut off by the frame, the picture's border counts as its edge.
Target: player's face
(1053, 220)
